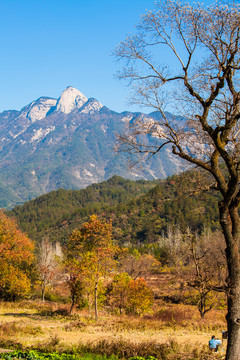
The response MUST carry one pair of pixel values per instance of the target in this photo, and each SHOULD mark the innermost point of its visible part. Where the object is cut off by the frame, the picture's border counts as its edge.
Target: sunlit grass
(48, 327)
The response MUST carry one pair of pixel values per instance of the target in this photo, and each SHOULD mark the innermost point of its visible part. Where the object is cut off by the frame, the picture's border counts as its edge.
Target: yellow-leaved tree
(92, 250)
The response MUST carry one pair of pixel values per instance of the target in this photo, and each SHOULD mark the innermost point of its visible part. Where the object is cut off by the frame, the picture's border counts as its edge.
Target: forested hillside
(141, 211)
(59, 211)
(180, 202)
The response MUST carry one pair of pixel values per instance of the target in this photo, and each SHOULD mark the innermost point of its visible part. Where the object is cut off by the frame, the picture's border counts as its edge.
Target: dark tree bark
(230, 225)
(96, 300)
(73, 297)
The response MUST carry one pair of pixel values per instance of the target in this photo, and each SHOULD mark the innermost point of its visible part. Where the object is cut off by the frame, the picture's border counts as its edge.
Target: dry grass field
(168, 332)
(48, 327)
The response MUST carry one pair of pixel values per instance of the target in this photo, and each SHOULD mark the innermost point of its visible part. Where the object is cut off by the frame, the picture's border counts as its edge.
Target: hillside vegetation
(57, 213)
(141, 211)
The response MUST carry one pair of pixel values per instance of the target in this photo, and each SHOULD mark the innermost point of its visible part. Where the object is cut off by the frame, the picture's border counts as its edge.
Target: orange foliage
(93, 248)
(133, 296)
(140, 296)
(16, 255)
(94, 234)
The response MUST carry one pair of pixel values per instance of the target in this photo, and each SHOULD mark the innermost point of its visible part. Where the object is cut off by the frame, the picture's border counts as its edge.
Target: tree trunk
(233, 320)
(43, 292)
(95, 304)
(201, 306)
(73, 303)
(230, 223)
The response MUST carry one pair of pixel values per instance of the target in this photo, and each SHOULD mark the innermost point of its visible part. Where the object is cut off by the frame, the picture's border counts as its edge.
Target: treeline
(141, 211)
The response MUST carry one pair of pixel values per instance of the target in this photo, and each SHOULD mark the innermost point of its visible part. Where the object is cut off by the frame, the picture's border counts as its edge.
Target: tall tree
(93, 250)
(16, 256)
(202, 44)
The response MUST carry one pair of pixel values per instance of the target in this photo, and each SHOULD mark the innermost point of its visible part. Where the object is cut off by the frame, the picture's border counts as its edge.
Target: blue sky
(47, 45)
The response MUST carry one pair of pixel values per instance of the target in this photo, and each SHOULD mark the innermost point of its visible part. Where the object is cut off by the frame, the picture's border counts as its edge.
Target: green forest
(140, 211)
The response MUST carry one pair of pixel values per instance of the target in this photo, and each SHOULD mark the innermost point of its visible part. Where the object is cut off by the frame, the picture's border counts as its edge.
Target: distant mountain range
(67, 143)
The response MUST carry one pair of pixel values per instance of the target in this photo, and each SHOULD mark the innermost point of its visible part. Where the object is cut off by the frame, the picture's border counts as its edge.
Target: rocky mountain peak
(91, 106)
(68, 143)
(70, 99)
(38, 109)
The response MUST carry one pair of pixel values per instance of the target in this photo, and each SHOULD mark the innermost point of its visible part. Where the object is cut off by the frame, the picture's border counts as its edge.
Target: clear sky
(47, 45)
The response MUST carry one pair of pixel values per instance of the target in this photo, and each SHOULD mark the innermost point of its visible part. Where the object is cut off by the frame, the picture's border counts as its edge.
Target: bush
(52, 313)
(55, 297)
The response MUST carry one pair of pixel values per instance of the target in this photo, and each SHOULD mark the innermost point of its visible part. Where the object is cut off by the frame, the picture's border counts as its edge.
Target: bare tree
(48, 264)
(137, 265)
(207, 269)
(203, 88)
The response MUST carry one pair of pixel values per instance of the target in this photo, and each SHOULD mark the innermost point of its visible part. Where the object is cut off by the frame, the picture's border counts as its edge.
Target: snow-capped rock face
(70, 99)
(39, 108)
(91, 106)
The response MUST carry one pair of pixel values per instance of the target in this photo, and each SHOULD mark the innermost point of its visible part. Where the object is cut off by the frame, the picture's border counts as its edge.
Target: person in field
(214, 344)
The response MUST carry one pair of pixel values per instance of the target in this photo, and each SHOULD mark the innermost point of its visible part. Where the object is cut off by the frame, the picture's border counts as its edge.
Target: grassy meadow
(170, 331)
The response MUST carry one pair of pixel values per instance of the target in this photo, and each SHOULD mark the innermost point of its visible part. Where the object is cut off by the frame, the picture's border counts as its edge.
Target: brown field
(37, 325)
(177, 327)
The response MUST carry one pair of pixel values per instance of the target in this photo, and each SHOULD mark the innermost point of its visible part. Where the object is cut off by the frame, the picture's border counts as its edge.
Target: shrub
(52, 313)
(35, 355)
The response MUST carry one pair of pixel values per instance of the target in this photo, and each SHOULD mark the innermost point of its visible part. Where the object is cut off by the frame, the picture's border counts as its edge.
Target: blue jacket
(213, 343)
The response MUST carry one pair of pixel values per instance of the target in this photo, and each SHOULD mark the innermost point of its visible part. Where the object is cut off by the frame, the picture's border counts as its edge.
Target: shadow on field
(27, 315)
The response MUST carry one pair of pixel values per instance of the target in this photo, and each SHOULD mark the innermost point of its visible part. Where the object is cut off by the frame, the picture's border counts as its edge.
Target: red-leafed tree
(16, 256)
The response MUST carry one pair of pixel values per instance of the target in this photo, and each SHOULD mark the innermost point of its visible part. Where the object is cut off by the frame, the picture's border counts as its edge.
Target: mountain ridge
(44, 147)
